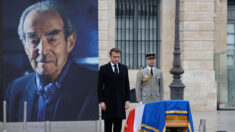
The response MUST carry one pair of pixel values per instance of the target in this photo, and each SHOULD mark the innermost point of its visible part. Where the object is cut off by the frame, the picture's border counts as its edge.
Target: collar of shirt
(149, 68)
(113, 66)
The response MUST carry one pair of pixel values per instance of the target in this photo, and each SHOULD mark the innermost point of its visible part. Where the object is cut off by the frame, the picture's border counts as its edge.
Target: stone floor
(215, 121)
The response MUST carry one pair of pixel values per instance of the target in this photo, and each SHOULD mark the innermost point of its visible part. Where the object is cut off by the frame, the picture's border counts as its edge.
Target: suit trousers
(116, 123)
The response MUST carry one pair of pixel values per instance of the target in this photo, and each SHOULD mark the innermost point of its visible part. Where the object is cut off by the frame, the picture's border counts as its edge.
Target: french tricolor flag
(133, 122)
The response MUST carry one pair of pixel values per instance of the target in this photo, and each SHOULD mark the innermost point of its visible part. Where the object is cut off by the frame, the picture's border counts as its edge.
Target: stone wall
(197, 32)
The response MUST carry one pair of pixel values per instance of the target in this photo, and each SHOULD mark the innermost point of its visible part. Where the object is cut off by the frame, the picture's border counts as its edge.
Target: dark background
(13, 60)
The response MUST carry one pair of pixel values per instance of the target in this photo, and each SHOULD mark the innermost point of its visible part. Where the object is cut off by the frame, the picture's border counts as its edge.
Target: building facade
(207, 37)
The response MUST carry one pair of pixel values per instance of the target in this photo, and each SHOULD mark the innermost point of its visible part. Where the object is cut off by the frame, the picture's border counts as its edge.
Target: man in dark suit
(113, 91)
(59, 89)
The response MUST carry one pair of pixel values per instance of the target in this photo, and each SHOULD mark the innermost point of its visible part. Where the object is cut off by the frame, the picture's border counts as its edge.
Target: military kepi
(150, 55)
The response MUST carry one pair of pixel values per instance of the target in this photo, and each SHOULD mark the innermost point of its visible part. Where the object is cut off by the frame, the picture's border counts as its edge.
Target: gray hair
(69, 26)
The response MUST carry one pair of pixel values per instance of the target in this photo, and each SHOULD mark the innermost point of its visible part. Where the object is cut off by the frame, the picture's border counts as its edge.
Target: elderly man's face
(45, 42)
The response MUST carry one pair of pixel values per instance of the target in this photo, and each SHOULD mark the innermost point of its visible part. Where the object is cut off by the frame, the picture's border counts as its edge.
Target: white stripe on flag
(138, 117)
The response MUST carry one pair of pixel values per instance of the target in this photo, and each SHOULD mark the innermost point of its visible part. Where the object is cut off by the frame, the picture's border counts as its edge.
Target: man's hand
(103, 106)
(127, 105)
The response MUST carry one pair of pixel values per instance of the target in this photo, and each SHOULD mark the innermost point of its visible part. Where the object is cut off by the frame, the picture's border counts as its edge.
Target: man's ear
(71, 40)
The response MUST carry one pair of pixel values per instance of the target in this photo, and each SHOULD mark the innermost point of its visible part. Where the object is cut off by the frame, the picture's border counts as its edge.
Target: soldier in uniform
(149, 82)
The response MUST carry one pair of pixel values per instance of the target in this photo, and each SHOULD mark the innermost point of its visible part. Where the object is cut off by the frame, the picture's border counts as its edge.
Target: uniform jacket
(77, 99)
(113, 90)
(149, 88)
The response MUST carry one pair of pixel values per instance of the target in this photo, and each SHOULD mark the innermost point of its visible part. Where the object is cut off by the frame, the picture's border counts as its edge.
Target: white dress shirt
(149, 68)
(114, 67)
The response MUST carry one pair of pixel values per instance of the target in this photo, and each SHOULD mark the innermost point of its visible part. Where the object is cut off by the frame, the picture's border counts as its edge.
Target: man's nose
(43, 47)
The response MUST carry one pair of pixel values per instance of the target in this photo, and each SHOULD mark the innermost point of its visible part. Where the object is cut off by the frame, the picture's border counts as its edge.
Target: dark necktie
(151, 72)
(115, 69)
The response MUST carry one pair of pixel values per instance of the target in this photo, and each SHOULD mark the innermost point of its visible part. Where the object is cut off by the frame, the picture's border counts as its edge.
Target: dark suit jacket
(113, 90)
(77, 99)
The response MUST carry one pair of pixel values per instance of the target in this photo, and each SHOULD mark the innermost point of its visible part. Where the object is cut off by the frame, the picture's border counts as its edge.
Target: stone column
(167, 42)
(106, 21)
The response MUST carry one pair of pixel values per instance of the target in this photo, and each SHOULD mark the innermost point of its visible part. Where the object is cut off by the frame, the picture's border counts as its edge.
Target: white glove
(140, 103)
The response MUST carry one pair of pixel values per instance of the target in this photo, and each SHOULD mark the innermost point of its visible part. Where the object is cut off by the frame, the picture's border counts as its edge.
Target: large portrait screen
(49, 55)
